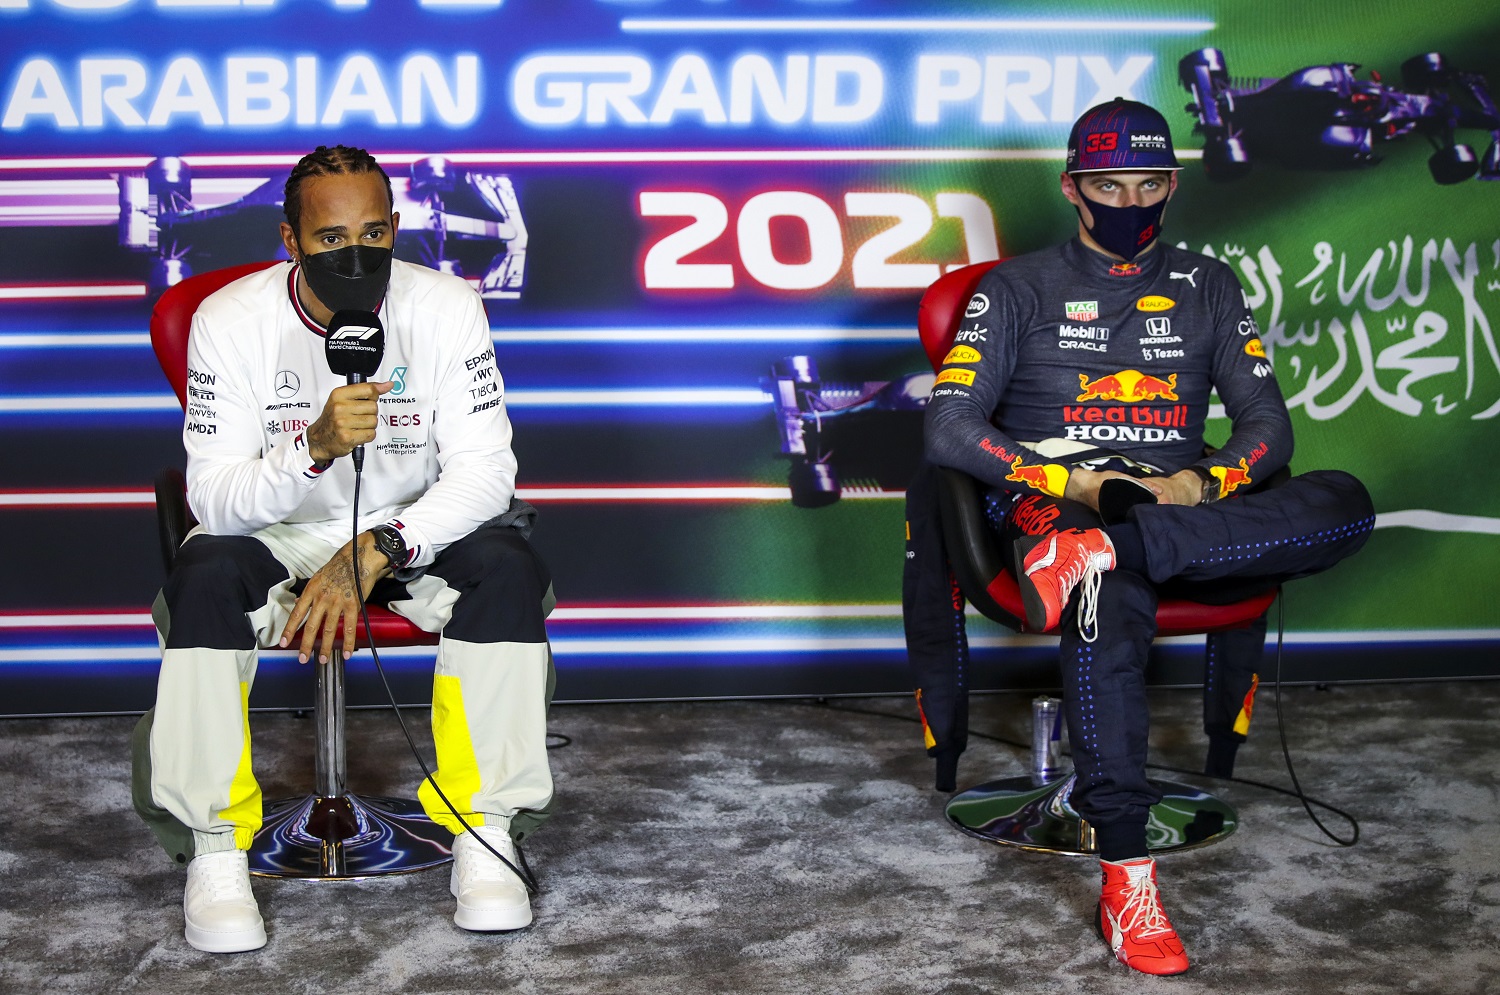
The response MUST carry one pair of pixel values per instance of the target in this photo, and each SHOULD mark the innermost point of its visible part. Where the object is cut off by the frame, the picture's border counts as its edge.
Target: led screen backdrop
(701, 228)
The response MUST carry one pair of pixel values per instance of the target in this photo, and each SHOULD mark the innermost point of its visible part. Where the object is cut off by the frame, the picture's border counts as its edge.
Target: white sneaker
(490, 896)
(218, 906)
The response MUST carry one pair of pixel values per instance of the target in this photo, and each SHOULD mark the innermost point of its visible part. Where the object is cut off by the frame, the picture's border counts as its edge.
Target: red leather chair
(330, 833)
(1032, 811)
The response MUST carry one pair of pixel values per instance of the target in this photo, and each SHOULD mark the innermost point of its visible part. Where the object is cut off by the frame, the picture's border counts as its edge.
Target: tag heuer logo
(1082, 310)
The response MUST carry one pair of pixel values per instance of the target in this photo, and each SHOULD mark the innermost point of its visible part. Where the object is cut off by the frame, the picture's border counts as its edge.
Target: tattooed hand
(330, 602)
(348, 420)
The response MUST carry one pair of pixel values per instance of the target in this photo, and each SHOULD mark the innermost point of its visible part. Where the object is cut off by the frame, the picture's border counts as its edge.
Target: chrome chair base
(1033, 814)
(347, 837)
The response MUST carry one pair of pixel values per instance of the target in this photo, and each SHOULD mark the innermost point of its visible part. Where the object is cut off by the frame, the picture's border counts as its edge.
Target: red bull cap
(1120, 135)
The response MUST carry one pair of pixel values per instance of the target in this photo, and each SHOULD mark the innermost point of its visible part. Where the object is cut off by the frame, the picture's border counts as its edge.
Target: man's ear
(289, 241)
(1070, 189)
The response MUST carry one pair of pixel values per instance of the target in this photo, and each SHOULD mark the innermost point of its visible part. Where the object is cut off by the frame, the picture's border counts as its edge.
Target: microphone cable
(1295, 791)
(524, 871)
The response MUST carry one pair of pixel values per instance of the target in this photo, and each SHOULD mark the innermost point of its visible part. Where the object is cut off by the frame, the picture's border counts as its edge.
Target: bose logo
(360, 332)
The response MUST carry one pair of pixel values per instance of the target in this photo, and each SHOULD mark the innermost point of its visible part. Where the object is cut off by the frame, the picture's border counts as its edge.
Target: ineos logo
(978, 304)
(287, 383)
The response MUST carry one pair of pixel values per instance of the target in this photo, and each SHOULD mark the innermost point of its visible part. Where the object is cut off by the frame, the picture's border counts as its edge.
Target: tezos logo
(287, 383)
(978, 304)
(1082, 310)
(398, 377)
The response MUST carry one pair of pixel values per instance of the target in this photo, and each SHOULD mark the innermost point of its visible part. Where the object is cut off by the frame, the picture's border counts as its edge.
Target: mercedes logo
(287, 383)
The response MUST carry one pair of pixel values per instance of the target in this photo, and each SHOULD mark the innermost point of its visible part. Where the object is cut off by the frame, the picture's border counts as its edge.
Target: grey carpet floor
(780, 847)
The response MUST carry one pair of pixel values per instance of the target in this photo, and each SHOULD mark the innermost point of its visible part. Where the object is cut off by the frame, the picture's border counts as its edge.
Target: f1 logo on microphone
(359, 332)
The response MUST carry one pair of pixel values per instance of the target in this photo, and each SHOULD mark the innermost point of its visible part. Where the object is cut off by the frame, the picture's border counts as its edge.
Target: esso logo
(978, 304)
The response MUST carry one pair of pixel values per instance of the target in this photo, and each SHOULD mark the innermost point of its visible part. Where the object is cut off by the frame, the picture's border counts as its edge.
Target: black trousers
(1219, 552)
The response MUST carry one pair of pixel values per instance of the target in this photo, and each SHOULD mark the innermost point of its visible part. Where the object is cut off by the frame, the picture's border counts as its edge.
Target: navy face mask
(1125, 231)
(352, 278)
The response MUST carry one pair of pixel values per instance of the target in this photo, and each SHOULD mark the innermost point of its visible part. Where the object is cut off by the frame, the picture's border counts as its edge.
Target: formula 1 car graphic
(1325, 117)
(874, 428)
(454, 219)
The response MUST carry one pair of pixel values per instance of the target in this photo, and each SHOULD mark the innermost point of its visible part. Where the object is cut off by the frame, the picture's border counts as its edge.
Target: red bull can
(1046, 739)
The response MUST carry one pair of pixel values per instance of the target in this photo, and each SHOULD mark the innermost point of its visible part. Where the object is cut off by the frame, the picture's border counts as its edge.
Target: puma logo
(1188, 276)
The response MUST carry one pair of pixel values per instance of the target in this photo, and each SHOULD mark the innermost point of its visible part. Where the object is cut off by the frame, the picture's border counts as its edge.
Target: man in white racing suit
(269, 430)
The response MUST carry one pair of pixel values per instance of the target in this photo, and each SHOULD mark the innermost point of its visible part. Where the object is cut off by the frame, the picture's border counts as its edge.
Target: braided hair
(325, 161)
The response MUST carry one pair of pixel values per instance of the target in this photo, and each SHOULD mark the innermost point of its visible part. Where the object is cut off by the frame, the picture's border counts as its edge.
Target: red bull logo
(997, 450)
(1124, 269)
(1033, 517)
(1231, 478)
(1129, 386)
(1242, 720)
(1049, 478)
(927, 738)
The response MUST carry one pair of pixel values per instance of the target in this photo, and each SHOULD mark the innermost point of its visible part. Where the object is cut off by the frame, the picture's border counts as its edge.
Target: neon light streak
(902, 25)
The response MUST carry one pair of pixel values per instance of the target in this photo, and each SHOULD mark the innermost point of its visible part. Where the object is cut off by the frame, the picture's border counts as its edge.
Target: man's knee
(501, 583)
(1345, 490)
(501, 557)
(221, 567)
(215, 583)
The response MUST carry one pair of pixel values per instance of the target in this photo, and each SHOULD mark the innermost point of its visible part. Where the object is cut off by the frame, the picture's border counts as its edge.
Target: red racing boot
(1132, 922)
(1049, 567)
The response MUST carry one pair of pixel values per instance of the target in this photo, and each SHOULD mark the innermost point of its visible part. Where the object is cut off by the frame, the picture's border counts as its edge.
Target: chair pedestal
(1034, 811)
(332, 834)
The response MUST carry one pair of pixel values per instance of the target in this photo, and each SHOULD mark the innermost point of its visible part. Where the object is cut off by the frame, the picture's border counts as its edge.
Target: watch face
(389, 542)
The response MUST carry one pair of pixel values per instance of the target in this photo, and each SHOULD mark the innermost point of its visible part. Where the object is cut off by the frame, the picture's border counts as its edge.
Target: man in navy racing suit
(1080, 376)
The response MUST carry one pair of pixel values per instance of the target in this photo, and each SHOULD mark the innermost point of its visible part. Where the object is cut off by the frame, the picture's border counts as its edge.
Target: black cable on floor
(1286, 752)
(1295, 791)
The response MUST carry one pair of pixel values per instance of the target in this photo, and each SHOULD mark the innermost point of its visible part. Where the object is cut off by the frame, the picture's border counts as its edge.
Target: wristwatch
(1210, 484)
(389, 541)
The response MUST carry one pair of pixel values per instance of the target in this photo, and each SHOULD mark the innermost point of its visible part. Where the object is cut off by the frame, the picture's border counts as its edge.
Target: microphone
(354, 346)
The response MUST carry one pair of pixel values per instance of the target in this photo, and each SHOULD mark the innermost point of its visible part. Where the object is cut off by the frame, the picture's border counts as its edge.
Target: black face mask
(1125, 231)
(353, 278)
